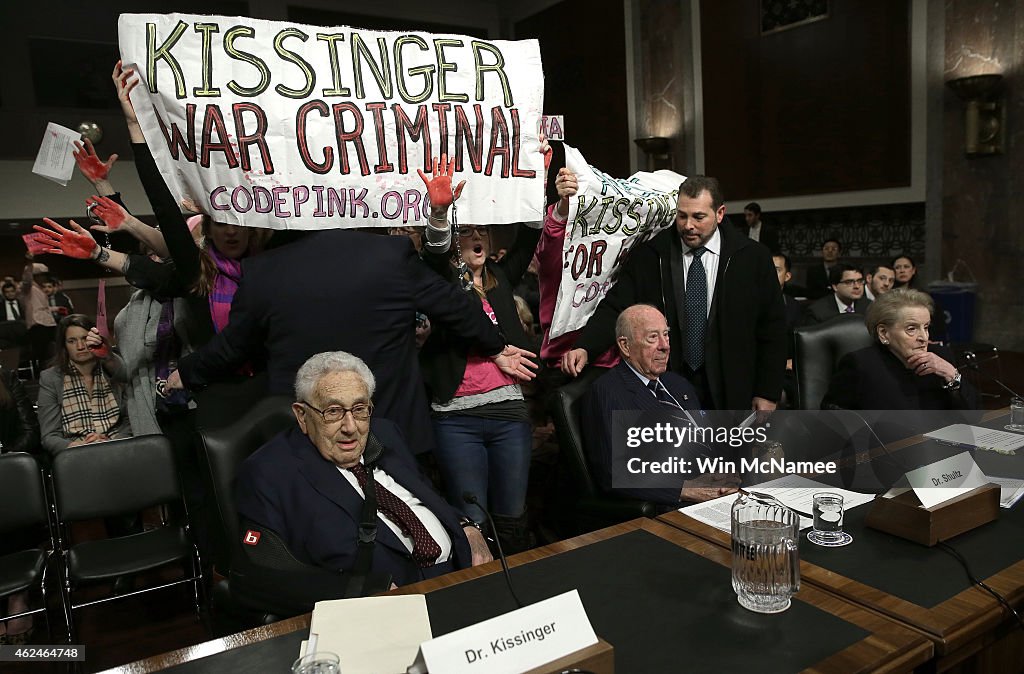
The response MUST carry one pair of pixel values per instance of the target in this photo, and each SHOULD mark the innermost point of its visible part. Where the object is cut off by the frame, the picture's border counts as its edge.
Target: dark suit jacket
(817, 281)
(874, 379)
(620, 389)
(745, 341)
(341, 290)
(825, 308)
(287, 486)
(769, 236)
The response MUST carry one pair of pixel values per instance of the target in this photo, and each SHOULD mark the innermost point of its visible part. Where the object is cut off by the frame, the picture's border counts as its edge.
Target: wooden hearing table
(925, 588)
(661, 597)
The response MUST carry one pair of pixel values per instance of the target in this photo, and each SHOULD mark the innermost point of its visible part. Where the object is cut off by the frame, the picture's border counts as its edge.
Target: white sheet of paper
(969, 437)
(55, 160)
(1010, 490)
(371, 634)
(944, 480)
(795, 491)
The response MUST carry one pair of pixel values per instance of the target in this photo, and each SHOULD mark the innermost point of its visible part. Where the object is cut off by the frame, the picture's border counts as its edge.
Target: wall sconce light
(984, 114)
(657, 149)
(91, 130)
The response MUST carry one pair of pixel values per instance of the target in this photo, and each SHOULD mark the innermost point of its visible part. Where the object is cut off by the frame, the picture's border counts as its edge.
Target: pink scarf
(224, 287)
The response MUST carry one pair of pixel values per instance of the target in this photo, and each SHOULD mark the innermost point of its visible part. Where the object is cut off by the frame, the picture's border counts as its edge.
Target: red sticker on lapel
(251, 537)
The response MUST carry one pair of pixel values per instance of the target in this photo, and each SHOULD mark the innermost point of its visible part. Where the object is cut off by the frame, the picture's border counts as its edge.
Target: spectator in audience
(901, 371)
(81, 400)
(731, 319)
(480, 417)
(641, 381)
(905, 271)
(757, 230)
(13, 332)
(878, 281)
(817, 281)
(19, 427)
(60, 304)
(847, 296)
(38, 318)
(308, 485)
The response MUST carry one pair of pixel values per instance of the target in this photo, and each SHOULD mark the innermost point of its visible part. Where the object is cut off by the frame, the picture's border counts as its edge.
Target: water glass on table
(1016, 415)
(828, 519)
(317, 663)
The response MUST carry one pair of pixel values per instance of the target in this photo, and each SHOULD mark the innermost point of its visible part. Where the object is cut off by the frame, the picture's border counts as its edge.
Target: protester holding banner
(719, 291)
(481, 422)
(549, 273)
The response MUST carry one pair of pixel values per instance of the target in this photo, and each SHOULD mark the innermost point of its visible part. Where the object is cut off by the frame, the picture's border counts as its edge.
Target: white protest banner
(287, 126)
(607, 217)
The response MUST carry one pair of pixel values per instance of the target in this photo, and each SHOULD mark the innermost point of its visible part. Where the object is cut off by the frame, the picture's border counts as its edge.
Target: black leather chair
(223, 449)
(120, 477)
(23, 508)
(591, 507)
(817, 351)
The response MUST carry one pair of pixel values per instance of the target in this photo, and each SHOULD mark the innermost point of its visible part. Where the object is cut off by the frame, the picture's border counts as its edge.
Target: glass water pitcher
(765, 553)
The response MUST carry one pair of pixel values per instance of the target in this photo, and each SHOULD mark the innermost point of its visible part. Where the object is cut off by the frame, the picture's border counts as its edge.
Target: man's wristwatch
(954, 383)
(466, 522)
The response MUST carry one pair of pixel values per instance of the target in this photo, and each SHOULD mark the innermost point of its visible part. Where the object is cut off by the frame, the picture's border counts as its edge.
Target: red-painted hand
(108, 210)
(74, 242)
(89, 163)
(94, 342)
(440, 186)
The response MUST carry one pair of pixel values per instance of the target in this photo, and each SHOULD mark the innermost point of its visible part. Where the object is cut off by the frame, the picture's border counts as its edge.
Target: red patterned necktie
(425, 549)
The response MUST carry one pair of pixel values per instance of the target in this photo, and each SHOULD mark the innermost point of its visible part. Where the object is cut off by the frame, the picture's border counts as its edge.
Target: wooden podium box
(599, 659)
(904, 516)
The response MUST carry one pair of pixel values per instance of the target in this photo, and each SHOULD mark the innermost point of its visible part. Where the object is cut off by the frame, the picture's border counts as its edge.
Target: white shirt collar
(714, 244)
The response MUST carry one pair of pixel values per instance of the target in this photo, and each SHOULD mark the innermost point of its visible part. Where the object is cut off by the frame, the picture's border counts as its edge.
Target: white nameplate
(943, 480)
(515, 642)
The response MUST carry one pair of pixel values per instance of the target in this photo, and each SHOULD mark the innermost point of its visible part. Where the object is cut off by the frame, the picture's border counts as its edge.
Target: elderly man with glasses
(310, 487)
(847, 296)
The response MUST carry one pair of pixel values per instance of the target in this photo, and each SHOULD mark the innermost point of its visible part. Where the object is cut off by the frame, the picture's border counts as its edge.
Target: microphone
(974, 365)
(470, 497)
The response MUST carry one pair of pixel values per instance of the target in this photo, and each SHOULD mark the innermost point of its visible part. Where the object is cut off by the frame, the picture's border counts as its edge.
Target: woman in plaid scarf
(80, 399)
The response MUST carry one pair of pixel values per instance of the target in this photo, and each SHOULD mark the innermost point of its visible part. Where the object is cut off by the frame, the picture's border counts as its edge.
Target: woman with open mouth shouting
(481, 424)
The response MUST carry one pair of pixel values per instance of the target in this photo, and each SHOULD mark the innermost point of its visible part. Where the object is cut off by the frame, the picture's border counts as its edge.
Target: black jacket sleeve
(25, 432)
(179, 241)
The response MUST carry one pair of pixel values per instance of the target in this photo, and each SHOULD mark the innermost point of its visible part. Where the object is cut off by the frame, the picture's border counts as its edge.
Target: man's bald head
(642, 335)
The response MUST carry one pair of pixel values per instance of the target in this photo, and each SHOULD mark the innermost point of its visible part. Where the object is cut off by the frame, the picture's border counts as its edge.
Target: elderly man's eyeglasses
(852, 282)
(335, 413)
(467, 230)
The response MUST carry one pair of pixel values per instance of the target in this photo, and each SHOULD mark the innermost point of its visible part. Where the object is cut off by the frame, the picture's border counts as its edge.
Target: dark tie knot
(653, 385)
(697, 252)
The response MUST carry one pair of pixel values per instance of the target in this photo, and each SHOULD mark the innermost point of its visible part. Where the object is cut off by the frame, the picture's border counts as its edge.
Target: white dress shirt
(709, 259)
(430, 521)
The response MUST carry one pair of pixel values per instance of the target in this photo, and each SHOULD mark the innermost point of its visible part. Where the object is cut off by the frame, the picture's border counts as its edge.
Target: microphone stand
(470, 497)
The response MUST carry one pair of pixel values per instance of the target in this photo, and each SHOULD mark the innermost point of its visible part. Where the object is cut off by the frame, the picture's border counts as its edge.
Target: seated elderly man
(641, 382)
(308, 486)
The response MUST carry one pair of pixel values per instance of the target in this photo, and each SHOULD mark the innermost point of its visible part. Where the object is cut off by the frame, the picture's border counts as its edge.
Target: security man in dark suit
(720, 294)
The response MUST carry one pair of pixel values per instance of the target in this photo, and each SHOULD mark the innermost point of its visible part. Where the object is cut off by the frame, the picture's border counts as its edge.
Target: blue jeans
(489, 458)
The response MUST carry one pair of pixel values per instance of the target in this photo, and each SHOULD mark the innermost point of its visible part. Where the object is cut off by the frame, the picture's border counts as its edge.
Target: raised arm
(116, 218)
(93, 168)
(77, 243)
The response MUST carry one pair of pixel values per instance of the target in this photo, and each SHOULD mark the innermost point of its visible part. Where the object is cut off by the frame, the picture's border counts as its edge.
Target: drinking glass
(317, 663)
(828, 519)
(1016, 415)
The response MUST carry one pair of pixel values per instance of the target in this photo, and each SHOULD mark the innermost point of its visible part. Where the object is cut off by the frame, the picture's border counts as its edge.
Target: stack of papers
(978, 437)
(793, 490)
(370, 634)
(1010, 490)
